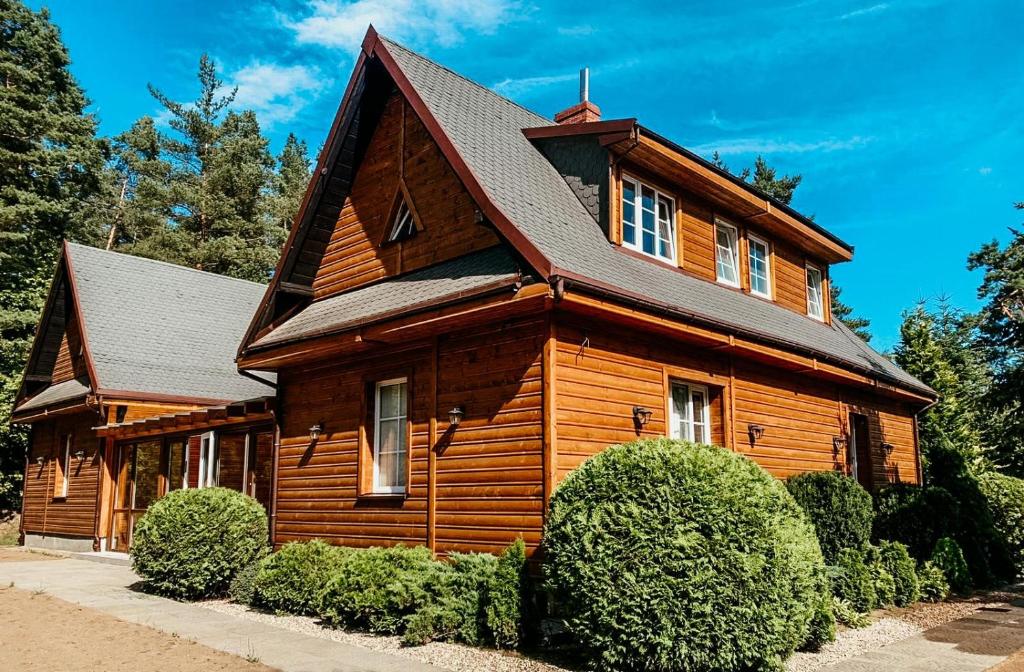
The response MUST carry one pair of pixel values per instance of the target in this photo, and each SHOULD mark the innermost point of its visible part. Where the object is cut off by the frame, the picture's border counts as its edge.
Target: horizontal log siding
(75, 515)
(488, 472)
(69, 363)
(598, 385)
(446, 211)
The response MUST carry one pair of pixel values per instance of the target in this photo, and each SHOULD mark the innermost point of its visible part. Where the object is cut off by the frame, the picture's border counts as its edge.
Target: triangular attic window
(403, 225)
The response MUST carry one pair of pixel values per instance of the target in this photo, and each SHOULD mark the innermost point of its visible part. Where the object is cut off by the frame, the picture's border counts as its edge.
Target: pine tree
(289, 183)
(49, 165)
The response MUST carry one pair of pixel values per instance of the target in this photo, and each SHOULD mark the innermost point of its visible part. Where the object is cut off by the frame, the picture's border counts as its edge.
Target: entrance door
(139, 483)
(860, 450)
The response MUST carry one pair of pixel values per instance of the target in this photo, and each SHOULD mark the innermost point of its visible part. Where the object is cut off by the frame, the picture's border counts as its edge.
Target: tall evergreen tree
(765, 178)
(1001, 323)
(289, 183)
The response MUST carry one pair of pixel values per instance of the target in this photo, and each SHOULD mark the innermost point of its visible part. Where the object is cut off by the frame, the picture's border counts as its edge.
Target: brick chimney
(584, 110)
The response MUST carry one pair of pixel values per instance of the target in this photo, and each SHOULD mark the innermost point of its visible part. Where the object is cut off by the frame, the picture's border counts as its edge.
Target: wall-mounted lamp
(315, 431)
(839, 443)
(887, 447)
(755, 432)
(80, 455)
(642, 415)
(40, 459)
(455, 416)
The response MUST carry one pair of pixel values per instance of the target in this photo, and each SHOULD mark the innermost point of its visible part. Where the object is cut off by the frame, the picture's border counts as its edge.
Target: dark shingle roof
(486, 130)
(428, 288)
(158, 328)
(56, 394)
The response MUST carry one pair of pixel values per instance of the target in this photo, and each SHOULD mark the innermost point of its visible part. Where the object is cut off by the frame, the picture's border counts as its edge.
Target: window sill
(59, 498)
(385, 499)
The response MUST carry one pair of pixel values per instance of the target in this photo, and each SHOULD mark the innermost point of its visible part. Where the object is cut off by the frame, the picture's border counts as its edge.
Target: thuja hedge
(191, 543)
(1005, 496)
(667, 555)
(839, 508)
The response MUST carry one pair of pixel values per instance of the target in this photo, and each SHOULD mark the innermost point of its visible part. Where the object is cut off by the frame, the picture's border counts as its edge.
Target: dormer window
(648, 220)
(760, 267)
(727, 254)
(403, 225)
(815, 300)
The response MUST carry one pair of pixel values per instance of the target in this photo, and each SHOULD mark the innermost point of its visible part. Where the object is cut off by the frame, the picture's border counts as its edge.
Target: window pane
(628, 212)
(680, 412)
(666, 230)
(699, 428)
(647, 202)
(629, 233)
(726, 255)
(759, 268)
(814, 299)
(648, 240)
(176, 465)
(389, 446)
(147, 472)
(391, 401)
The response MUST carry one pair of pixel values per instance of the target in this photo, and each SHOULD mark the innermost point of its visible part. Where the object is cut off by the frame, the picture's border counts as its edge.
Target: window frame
(375, 487)
(808, 267)
(208, 466)
(674, 418)
(720, 223)
(62, 468)
(754, 239)
(637, 244)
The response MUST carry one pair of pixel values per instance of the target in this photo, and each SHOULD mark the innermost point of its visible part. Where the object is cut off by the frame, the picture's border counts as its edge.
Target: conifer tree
(289, 183)
(49, 166)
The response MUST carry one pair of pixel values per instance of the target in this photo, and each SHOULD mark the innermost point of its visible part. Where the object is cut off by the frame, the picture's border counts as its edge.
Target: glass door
(140, 480)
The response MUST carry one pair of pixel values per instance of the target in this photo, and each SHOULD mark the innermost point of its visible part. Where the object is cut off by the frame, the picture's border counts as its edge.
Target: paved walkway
(104, 587)
(971, 644)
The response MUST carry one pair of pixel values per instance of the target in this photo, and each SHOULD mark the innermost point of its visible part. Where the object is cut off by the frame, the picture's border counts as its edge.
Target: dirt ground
(41, 633)
(18, 554)
(1014, 663)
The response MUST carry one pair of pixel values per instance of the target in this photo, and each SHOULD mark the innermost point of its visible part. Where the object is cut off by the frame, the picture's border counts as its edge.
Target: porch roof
(233, 415)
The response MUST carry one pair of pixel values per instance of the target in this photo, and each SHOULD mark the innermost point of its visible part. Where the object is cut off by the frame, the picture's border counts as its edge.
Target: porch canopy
(226, 416)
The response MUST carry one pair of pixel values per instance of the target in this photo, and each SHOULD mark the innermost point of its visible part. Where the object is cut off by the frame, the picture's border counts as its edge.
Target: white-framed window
(689, 413)
(403, 226)
(648, 220)
(727, 254)
(64, 466)
(389, 436)
(759, 255)
(207, 460)
(815, 299)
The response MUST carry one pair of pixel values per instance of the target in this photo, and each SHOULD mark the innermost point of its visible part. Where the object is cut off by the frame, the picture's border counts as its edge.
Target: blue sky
(903, 117)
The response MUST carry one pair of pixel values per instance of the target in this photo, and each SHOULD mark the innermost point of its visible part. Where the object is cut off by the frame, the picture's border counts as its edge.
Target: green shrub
(914, 516)
(950, 559)
(379, 589)
(934, 586)
(506, 597)
(191, 543)
(1005, 495)
(822, 628)
(292, 579)
(673, 556)
(456, 608)
(853, 581)
(847, 615)
(242, 587)
(839, 508)
(897, 561)
(881, 579)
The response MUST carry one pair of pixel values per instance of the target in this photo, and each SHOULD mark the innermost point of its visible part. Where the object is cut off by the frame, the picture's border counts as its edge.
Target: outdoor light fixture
(40, 459)
(755, 432)
(455, 416)
(314, 432)
(80, 455)
(887, 447)
(642, 415)
(839, 443)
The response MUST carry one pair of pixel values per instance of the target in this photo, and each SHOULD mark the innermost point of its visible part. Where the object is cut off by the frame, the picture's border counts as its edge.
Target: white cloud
(985, 170)
(512, 88)
(342, 23)
(873, 9)
(277, 93)
(770, 146)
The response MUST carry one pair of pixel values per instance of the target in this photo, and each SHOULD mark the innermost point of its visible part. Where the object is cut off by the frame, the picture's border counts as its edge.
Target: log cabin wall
(400, 151)
(69, 363)
(603, 371)
(45, 513)
(481, 486)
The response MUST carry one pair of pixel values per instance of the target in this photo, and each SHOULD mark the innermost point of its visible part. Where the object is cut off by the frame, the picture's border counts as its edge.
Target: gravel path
(455, 657)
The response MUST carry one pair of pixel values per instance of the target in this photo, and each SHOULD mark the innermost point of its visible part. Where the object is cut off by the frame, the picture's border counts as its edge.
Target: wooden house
(121, 339)
(474, 300)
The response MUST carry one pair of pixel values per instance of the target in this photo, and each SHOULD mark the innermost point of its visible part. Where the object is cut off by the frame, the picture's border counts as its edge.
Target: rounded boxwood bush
(896, 559)
(1005, 496)
(191, 543)
(292, 579)
(839, 508)
(948, 557)
(667, 555)
(915, 516)
(853, 580)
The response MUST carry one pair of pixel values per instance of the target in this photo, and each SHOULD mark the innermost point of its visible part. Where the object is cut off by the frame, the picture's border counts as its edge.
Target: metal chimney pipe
(584, 85)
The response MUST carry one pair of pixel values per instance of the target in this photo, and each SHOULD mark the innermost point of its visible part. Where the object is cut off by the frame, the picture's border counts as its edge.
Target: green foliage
(243, 587)
(457, 609)
(507, 596)
(191, 543)
(695, 539)
(852, 580)
(292, 579)
(765, 178)
(881, 578)
(1005, 495)
(839, 508)
(847, 615)
(895, 558)
(49, 162)
(822, 628)
(948, 557)
(934, 586)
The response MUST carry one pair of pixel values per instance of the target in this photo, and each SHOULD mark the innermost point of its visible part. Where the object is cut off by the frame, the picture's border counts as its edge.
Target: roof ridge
(161, 262)
(466, 79)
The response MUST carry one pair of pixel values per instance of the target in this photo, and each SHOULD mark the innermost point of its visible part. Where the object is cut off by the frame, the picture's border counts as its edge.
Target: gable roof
(530, 205)
(151, 329)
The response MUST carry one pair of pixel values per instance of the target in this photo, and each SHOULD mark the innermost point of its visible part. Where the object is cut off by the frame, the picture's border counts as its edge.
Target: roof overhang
(228, 416)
